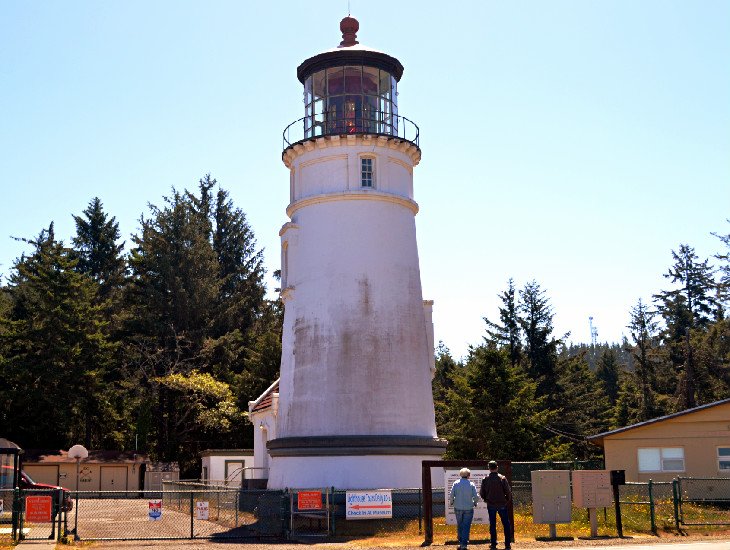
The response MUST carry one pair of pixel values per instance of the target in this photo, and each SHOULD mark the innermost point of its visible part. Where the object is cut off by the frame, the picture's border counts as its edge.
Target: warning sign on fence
(38, 509)
(201, 509)
(369, 504)
(309, 500)
(155, 512)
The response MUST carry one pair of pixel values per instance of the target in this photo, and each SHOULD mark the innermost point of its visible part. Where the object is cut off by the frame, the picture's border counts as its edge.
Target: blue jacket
(463, 495)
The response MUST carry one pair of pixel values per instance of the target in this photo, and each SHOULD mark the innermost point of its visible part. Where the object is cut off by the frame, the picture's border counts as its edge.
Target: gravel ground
(521, 545)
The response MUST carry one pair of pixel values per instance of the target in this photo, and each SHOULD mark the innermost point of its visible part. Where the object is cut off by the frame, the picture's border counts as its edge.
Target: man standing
(463, 497)
(496, 493)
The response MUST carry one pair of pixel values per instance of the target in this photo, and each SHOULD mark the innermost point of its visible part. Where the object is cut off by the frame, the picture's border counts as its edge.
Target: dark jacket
(495, 490)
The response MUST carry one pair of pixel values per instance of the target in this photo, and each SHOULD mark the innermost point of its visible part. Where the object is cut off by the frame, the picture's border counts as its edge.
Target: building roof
(56, 456)
(598, 438)
(226, 452)
(265, 399)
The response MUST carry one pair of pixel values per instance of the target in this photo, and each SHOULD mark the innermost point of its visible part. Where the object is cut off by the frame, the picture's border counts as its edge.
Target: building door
(113, 478)
(234, 471)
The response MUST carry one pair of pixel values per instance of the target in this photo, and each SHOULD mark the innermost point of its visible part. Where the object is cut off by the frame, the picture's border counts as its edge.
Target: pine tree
(540, 347)
(643, 331)
(55, 351)
(607, 373)
(690, 306)
(493, 410)
(95, 243)
(508, 332)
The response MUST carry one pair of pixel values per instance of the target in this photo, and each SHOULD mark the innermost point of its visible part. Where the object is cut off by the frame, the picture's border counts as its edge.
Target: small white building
(262, 413)
(225, 466)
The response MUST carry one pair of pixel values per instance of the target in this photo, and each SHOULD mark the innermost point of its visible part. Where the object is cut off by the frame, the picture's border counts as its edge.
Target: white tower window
(367, 172)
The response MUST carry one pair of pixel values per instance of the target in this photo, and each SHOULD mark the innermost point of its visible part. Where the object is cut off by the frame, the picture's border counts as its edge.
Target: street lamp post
(77, 452)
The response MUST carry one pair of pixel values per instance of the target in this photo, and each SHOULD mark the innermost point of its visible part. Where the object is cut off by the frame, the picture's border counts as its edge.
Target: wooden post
(593, 517)
(427, 502)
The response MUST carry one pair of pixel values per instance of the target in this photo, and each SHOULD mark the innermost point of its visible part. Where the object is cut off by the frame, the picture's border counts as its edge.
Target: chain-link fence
(703, 501)
(7, 501)
(181, 513)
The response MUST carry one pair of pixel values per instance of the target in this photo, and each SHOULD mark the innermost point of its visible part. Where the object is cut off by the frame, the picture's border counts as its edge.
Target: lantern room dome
(350, 52)
(350, 89)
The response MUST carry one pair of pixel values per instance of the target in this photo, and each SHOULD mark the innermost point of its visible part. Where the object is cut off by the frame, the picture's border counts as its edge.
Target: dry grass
(635, 520)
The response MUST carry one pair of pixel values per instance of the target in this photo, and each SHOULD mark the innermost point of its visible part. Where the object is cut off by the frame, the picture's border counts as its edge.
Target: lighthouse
(354, 406)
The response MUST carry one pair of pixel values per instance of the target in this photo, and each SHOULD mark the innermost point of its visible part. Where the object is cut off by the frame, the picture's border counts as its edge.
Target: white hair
(465, 472)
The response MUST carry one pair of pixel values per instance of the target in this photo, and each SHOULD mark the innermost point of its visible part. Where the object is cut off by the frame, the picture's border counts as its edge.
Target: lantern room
(350, 90)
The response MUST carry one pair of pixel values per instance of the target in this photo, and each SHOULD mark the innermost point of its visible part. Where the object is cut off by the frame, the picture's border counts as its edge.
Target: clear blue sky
(573, 142)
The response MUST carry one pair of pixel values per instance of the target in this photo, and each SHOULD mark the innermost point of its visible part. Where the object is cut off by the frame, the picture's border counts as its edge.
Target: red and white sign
(309, 500)
(155, 512)
(38, 509)
(368, 504)
(201, 509)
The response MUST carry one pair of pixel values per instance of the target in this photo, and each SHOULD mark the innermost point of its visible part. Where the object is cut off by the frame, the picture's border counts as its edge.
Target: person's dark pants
(504, 516)
(463, 525)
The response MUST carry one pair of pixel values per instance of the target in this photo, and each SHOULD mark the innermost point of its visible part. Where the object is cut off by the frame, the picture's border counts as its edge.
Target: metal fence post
(236, 504)
(652, 511)
(15, 512)
(675, 499)
(420, 510)
(192, 516)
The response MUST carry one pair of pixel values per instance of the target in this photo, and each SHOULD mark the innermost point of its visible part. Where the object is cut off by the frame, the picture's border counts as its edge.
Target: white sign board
(155, 511)
(480, 512)
(201, 510)
(369, 504)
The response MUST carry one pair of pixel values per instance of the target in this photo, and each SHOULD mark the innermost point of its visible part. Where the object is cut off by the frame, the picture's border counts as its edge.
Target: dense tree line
(160, 347)
(523, 393)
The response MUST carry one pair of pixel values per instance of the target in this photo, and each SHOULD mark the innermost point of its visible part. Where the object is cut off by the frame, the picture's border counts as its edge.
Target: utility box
(592, 488)
(550, 496)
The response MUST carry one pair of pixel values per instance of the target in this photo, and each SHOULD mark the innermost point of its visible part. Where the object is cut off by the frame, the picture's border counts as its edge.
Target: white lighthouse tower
(355, 407)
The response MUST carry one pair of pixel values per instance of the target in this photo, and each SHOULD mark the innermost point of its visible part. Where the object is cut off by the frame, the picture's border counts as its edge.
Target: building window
(667, 459)
(723, 458)
(367, 172)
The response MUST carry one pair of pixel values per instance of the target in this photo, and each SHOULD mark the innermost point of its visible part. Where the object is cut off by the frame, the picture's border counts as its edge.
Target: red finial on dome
(349, 27)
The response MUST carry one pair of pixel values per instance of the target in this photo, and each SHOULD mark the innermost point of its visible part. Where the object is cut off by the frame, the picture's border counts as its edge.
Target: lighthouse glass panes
(351, 99)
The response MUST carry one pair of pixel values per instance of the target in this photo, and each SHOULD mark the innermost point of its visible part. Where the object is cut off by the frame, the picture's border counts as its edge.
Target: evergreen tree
(540, 347)
(724, 283)
(493, 410)
(98, 253)
(195, 303)
(55, 352)
(643, 331)
(607, 373)
(583, 409)
(690, 306)
(507, 332)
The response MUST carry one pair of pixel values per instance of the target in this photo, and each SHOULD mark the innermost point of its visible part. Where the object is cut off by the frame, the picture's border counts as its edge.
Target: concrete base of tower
(351, 462)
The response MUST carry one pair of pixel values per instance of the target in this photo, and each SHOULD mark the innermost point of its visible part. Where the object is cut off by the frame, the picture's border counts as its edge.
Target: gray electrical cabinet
(551, 496)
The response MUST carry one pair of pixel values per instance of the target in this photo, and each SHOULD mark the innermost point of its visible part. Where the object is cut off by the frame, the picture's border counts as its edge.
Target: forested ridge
(161, 347)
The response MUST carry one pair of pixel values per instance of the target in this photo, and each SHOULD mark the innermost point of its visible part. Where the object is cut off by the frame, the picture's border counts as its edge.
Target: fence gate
(196, 513)
(39, 514)
(310, 512)
(702, 501)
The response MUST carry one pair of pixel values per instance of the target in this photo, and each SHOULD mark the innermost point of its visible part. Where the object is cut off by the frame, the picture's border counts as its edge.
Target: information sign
(481, 515)
(309, 500)
(38, 509)
(201, 509)
(155, 512)
(369, 504)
